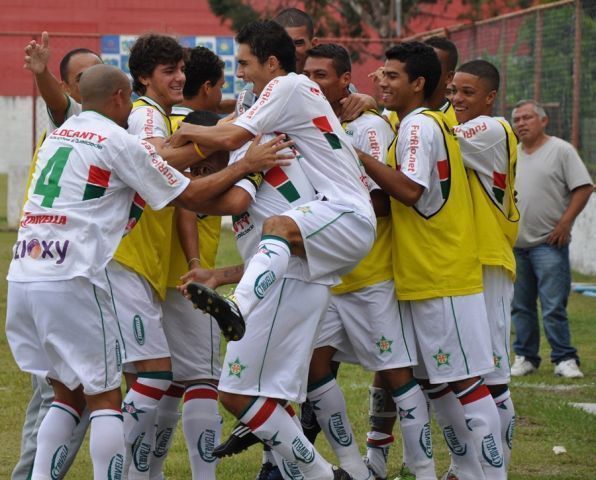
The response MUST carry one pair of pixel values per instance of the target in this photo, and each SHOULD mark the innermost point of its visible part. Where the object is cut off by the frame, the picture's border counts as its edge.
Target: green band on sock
(275, 237)
(156, 375)
(398, 392)
(320, 383)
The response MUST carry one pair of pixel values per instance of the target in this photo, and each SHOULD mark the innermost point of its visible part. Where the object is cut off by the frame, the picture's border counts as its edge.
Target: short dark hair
(148, 52)
(66, 60)
(421, 61)
(293, 17)
(443, 43)
(484, 70)
(267, 38)
(337, 53)
(202, 117)
(200, 65)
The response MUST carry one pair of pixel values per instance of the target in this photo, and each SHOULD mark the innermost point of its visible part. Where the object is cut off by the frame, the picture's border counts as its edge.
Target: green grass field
(545, 418)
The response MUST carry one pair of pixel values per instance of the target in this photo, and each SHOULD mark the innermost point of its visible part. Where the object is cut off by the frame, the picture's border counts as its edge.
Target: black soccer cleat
(223, 309)
(339, 474)
(308, 421)
(269, 472)
(239, 440)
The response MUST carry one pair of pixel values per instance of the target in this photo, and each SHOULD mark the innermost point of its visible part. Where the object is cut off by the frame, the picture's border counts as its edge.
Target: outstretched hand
(263, 156)
(182, 134)
(200, 275)
(37, 55)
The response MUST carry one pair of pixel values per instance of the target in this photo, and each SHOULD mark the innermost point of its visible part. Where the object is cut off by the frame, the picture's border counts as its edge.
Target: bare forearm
(52, 94)
(205, 189)
(393, 182)
(234, 201)
(186, 225)
(228, 275)
(579, 199)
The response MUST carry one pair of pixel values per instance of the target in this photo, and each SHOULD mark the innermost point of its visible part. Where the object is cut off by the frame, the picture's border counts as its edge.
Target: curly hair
(147, 53)
(200, 65)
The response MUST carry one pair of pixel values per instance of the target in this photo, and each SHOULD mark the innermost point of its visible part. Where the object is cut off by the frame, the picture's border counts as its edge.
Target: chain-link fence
(546, 53)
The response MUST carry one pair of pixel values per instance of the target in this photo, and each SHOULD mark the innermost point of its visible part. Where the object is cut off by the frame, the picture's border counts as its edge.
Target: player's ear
(419, 84)
(491, 97)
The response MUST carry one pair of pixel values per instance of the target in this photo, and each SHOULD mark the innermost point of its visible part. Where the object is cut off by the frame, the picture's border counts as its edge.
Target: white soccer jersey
(282, 188)
(420, 152)
(373, 135)
(79, 199)
(294, 105)
(148, 121)
(73, 108)
(484, 149)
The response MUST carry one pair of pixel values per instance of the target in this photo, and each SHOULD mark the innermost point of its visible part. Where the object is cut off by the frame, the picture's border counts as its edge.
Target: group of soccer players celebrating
(381, 238)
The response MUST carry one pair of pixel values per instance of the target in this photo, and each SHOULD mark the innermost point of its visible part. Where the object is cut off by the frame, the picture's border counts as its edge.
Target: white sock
(507, 416)
(414, 423)
(165, 427)
(139, 410)
(377, 451)
(450, 416)
(106, 444)
(483, 420)
(53, 440)
(330, 407)
(269, 264)
(272, 424)
(201, 424)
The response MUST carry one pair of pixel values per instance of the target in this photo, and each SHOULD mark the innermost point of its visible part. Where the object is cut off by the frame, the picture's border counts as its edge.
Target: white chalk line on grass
(548, 386)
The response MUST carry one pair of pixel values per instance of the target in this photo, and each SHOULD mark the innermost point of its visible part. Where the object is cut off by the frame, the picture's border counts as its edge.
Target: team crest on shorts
(384, 344)
(497, 360)
(442, 358)
(236, 368)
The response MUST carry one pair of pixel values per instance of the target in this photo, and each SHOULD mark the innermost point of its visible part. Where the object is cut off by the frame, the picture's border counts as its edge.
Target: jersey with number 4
(79, 199)
(294, 105)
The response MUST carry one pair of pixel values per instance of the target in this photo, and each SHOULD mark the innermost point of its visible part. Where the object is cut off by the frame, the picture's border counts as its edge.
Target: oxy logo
(453, 442)
(425, 441)
(509, 432)
(206, 444)
(162, 440)
(263, 282)
(491, 452)
(301, 452)
(116, 467)
(140, 453)
(292, 470)
(58, 461)
(44, 249)
(338, 430)
(138, 329)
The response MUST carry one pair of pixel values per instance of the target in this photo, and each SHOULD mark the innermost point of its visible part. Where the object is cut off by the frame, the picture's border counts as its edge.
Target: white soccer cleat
(568, 369)
(522, 367)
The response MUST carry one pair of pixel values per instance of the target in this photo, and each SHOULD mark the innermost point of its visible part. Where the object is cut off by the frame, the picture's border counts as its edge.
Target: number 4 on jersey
(47, 184)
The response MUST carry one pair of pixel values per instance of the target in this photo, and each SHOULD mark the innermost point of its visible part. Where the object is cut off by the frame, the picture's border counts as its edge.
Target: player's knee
(281, 226)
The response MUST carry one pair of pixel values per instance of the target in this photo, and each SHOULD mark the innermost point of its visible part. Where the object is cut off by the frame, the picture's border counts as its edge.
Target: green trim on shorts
(403, 335)
(398, 392)
(458, 337)
(275, 237)
(506, 346)
(115, 311)
(326, 225)
(103, 330)
(76, 419)
(320, 383)
(163, 375)
(270, 330)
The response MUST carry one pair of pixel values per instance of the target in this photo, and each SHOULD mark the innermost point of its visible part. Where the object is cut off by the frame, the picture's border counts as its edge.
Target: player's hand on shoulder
(182, 135)
(354, 104)
(263, 156)
(37, 55)
(200, 275)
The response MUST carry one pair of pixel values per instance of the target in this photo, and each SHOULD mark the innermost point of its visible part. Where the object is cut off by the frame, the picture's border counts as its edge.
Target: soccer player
(363, 317)
(69, 233)
(319, 231)
(193, 342)
(63, 101)
(489, 151)
(437, 273)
